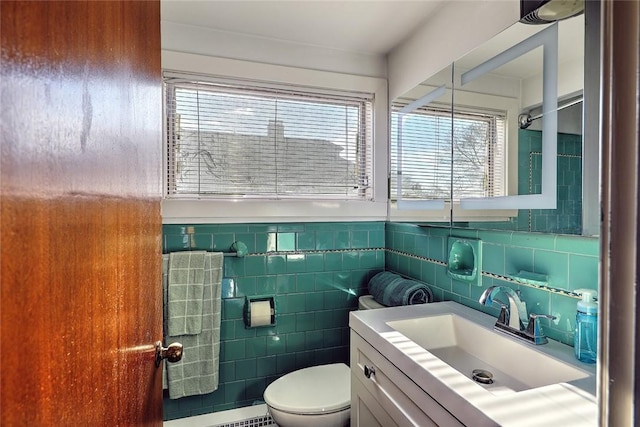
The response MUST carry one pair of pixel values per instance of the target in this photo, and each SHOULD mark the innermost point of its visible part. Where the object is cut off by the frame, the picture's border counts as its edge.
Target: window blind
(239, 140)
(427, 154)
(478, 155)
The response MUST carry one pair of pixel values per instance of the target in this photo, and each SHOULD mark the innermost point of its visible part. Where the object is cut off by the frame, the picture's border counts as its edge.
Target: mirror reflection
(524, 171)
(421, 145)
(497, 123)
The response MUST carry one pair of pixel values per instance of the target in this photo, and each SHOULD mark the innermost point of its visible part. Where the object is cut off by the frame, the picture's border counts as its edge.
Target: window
(238, 140)
(478, 154)
(427, 153)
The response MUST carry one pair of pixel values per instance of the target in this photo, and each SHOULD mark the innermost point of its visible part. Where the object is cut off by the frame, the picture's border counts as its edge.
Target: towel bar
(237, 249)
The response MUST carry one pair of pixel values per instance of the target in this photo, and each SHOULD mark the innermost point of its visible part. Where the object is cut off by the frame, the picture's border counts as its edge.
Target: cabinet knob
(369, 371)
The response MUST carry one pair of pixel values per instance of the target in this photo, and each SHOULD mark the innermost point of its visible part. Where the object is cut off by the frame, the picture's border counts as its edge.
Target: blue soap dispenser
(585, 340)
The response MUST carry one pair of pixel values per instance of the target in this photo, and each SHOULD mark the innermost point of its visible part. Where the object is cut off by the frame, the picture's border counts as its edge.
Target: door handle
(173, 353)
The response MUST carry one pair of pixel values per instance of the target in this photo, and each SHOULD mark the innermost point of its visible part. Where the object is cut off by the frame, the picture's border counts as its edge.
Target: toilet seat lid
(315, 390)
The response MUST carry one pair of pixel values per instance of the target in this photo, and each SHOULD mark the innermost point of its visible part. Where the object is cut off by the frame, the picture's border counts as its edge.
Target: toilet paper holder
(259, 311)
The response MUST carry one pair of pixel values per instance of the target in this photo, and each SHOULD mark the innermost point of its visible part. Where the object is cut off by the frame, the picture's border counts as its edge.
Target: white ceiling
(363, 26)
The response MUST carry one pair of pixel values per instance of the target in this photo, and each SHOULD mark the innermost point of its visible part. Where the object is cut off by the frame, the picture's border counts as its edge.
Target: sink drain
(482, 376)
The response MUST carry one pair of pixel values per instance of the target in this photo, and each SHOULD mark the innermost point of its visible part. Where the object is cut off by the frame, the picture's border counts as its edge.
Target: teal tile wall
(316, 271)
(567, 217)
(570, 262)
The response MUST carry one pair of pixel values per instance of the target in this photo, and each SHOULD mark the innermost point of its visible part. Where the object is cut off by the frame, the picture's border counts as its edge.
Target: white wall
(203, 41)
(454, 30)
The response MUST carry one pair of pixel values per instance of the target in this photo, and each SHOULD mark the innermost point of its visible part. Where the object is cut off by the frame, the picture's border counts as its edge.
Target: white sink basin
(467, 346)
(438, 345)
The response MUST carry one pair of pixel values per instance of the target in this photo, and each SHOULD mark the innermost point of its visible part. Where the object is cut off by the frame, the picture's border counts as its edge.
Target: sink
(437, 347)
(502, 364)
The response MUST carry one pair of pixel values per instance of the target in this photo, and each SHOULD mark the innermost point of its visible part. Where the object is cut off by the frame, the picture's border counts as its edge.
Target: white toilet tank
(367, 302)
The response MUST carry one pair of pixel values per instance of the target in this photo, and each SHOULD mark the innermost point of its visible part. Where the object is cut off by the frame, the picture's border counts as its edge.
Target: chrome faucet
(514, 314)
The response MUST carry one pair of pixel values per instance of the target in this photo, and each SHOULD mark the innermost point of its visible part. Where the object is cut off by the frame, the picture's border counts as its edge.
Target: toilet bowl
(319, 396)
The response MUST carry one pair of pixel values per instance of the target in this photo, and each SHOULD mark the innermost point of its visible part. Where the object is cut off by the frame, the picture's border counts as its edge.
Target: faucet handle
(504, 315)
(546, 316)
(534, 329)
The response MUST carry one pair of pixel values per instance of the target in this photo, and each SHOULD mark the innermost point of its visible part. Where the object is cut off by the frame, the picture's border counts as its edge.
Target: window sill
(179, 211)
(444, 215)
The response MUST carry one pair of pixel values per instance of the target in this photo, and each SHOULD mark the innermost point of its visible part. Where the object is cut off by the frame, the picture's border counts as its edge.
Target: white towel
(198, 371)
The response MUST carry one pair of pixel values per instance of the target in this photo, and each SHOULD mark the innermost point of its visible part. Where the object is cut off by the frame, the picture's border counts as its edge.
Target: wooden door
(80, 297)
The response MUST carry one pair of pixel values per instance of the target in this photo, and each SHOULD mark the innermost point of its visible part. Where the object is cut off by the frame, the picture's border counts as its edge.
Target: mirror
(490, 100)
(487, 139)
(541, 161)
(421, 146)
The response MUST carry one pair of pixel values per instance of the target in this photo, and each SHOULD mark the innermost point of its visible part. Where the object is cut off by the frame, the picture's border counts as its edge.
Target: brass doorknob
(173, 353)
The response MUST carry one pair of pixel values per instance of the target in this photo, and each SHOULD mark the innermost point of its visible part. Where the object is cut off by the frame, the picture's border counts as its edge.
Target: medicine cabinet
(501, 128)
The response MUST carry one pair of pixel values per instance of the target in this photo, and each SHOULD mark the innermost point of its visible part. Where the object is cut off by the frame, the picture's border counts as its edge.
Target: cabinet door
(365, 410)
(398, 395)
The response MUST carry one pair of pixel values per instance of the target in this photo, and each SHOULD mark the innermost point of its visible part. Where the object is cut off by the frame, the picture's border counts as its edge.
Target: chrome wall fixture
(525, 119)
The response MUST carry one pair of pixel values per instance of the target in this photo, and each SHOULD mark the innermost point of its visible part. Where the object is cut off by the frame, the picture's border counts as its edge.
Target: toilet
(367, 302)
(319, 396)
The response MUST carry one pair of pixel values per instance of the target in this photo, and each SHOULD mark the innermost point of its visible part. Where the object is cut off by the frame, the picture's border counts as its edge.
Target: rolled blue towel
(391, 289)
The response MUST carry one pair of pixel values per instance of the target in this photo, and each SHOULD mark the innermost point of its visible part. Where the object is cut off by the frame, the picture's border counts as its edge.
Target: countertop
(564, 404)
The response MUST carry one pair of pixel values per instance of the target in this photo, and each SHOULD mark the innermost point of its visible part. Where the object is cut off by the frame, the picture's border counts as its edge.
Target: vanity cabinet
(381, 395)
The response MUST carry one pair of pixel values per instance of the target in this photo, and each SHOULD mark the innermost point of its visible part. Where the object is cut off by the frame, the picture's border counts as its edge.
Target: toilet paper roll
(260, 313)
